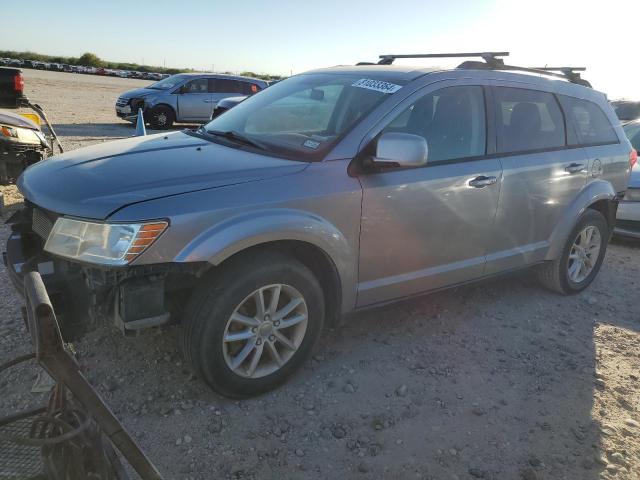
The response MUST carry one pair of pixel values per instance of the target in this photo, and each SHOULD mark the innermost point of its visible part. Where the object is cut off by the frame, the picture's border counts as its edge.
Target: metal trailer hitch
(73, 437)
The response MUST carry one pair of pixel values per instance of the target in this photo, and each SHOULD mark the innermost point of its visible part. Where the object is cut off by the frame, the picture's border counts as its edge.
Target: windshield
(627, 110)
(167, 83)
(304, 116)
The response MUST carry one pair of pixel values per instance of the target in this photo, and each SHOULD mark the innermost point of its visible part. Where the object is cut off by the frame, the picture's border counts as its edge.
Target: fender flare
(593, 192)
(238, 233)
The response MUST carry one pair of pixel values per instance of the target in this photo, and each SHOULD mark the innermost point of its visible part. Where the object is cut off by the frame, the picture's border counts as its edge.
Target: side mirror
(402, 149)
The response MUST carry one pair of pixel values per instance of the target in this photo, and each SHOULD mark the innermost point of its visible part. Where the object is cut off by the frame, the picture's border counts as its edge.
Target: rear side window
(527, 120)
(590, 123)
(223, 85)
(452, 120)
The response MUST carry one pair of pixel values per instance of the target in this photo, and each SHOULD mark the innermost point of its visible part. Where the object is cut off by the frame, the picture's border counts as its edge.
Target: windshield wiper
(237, 137)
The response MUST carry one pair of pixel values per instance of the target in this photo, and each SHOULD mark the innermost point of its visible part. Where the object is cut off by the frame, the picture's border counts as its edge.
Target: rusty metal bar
(51, 354)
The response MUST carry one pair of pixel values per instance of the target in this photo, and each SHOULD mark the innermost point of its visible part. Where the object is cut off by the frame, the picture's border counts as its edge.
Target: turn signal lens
(633, 157)
(147, 234)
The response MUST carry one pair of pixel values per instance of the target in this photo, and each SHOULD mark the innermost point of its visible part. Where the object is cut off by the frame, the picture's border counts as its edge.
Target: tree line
(89, 59)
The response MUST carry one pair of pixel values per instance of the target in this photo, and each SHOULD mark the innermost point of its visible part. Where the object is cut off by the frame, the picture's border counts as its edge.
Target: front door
(194, 101)
(429, 227)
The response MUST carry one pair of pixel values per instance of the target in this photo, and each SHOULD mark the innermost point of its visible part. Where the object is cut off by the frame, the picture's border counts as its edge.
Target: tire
(161, 117)
(555, 275)
(208, 320)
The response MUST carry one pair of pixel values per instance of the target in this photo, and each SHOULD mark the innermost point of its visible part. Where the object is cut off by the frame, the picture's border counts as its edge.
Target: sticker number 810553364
(377, 85)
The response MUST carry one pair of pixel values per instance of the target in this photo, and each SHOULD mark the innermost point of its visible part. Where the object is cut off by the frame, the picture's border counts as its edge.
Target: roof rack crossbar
(489, 57)
(561, 69)
(568, 73)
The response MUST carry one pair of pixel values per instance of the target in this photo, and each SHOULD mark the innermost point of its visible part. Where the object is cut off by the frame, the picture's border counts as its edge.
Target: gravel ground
(499, 380)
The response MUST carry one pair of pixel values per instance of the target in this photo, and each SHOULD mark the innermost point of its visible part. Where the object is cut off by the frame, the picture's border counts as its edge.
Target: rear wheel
(161, 117)
(581, 257)
(253, 324)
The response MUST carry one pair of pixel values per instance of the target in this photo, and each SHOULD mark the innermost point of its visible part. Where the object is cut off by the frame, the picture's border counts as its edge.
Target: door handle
(574, 168)
(207, 101)
(482, 181)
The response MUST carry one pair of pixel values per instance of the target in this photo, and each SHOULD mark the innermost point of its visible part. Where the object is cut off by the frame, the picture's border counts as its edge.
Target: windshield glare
(304, 116)
(167, 83)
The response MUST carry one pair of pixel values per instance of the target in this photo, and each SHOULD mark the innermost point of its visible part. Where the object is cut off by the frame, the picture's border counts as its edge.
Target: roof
(396, 72)
(220, 75)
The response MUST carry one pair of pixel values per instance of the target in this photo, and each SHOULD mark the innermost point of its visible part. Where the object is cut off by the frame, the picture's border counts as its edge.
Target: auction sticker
(377, 85)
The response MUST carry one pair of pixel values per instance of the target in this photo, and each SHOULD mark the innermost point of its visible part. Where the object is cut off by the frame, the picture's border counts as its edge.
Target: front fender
(592, 192)
(246, 230)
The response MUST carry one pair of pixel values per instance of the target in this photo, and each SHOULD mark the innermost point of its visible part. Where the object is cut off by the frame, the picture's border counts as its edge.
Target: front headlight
(8, 131)
(632, 195)
(102, 243)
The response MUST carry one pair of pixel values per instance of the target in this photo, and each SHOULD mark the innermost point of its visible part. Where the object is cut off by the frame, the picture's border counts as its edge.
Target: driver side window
(201, 85)
(452, 120)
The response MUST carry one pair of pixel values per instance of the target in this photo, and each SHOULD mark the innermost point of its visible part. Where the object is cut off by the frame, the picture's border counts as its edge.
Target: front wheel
(161, 118)
(581, 258)
(254, 324)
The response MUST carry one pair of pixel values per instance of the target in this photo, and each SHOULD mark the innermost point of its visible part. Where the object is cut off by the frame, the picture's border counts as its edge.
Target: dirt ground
(499, 380)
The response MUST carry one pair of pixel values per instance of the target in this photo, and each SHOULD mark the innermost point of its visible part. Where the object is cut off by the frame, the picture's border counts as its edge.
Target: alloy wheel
(584, 254)
(265, 331)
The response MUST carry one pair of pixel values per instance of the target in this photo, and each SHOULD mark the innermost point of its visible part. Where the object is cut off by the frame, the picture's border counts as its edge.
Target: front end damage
(85, 295)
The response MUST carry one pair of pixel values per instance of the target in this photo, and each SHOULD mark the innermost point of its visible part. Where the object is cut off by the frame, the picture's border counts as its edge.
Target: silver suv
(332, 191)
(186, 97)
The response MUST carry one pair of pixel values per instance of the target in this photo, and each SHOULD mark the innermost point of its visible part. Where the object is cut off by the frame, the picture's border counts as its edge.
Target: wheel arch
(310, 239)
(598, 195)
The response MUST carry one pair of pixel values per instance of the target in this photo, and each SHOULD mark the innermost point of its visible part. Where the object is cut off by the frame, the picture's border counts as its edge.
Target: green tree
(90, 60)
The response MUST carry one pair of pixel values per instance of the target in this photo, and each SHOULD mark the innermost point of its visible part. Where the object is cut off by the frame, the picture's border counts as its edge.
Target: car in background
(185, 97)
(628, 216)
(230, 102)
(626, 110)
(227, 104)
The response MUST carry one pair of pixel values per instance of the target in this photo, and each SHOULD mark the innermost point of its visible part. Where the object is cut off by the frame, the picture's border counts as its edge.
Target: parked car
(626, 110)
(185, 97)
(22, 141)
(628, 217)
(227, 104)
(331, 191)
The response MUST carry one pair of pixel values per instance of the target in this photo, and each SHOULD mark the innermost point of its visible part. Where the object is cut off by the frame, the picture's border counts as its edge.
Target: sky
(291, 36)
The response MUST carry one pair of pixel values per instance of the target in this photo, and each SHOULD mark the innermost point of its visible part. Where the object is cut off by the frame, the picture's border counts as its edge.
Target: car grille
(42, 223)
(21, 148)
(121, 102)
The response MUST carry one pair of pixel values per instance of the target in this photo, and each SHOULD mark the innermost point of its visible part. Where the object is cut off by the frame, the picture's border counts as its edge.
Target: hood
(141, 92)
(634, 178)
(15, 120)
(96, 181)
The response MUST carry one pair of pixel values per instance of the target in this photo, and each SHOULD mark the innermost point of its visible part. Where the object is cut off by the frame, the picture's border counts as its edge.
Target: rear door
(541, 175)
(592, 129)
(428, 227)
(223, 88)
(194, 101)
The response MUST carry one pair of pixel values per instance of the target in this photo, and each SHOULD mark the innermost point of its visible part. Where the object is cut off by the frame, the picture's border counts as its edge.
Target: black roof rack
(570, 73)
(492, 62)
(489, 57)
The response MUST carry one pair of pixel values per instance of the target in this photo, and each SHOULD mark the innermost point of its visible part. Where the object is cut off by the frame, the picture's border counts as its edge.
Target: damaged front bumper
(131, 297)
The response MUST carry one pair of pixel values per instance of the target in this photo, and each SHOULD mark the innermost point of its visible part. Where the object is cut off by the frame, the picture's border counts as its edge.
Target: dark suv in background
(626, 110)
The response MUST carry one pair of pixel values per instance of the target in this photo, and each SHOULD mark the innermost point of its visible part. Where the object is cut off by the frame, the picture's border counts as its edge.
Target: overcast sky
(284, 36)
